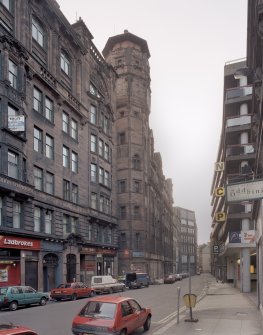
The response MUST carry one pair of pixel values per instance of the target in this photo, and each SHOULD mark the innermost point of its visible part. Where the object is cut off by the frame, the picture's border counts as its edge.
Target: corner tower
(128, 55)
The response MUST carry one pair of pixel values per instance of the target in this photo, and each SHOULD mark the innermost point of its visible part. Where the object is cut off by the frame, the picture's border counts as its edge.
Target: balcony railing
(239, 120)
(239, 92)
(240, 149)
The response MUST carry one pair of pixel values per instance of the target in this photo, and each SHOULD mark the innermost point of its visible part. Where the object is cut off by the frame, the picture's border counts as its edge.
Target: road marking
(170, 320)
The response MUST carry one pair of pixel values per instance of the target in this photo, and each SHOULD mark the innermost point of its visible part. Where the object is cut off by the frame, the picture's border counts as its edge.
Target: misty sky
(189, 42)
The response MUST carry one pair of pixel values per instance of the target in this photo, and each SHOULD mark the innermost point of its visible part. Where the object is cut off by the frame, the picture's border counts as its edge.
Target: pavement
(221, 310)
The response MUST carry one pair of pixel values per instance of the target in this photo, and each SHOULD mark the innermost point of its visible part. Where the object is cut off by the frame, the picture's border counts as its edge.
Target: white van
(106, 284)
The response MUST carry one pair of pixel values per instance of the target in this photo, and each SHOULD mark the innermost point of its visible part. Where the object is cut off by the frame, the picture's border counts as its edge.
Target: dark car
(137, 279)
(71, 291)
(14, 296)
(169, 279)
(10, 329)
(111, 315)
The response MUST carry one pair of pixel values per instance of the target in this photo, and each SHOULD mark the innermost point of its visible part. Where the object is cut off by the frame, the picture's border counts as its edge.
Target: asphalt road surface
(56, 317)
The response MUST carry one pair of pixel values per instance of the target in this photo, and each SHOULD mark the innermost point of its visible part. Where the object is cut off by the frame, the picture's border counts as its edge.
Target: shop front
(97, 261)
(19, 259)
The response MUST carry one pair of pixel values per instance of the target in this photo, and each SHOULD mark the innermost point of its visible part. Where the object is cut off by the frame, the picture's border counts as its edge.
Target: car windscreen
(98, 309)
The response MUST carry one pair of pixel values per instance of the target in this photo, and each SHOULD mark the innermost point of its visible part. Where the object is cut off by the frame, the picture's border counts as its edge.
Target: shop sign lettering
(18, 243)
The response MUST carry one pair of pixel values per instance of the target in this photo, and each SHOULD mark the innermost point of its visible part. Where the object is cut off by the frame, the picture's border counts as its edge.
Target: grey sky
(189, 42)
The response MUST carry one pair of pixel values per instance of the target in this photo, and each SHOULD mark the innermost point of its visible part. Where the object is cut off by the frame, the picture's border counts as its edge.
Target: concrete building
(77, 155)
(204, 258)
(233, 227)
(187, 241)
(254, 65)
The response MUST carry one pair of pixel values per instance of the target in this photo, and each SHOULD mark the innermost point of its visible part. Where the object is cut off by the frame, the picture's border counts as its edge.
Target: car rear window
(99, 309)
(3, 290)
(131, 276)
(64, 286)
(97, 280)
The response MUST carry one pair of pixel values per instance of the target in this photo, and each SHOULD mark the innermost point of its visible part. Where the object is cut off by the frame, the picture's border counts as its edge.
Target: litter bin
(189, 300)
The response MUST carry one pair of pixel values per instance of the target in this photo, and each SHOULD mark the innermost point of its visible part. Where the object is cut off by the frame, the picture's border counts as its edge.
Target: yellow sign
(219, 166)
(190, 300)
(221, 216)
(220, 192)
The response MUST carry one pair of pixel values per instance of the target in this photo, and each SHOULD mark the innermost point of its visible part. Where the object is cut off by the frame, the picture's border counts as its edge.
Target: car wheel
(73, 297)
(13, 306)
(43, 301)
(92, 293)
(110, 290)
(147, 323)
(57, 299)
(123, 332)
(123, 289)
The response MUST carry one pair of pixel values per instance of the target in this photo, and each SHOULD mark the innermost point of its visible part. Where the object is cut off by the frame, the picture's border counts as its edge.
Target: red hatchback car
(71, 291)
(108, 315)
(10, 329)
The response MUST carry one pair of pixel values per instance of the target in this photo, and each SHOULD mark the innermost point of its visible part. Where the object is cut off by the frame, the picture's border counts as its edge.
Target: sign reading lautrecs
(252, 190)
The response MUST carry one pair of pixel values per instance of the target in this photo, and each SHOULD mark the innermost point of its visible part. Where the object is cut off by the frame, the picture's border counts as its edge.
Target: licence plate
(57, 292)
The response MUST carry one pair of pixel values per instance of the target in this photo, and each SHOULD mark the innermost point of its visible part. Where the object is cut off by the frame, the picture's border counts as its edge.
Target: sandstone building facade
(82, 191)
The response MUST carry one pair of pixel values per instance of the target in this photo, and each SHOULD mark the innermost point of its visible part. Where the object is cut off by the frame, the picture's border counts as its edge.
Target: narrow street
(55, 318)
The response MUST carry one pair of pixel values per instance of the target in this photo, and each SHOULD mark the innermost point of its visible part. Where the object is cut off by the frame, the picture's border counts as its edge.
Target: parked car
(178, 276)
(71, 291)
(169, 279)
(111, 315)
(106, 284)
(10, 329)
(14, 296)
(137, 279)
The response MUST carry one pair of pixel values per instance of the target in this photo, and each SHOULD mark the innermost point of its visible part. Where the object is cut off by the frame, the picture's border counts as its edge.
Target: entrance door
(31, 274)
(50, 262)
(71, 268)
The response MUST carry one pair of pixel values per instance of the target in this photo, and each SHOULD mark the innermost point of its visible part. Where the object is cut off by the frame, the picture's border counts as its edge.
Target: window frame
(93, 172)
(49, 152)
(17, 215)
(38, 179)
(74, 193)
(13, 75)
(12, 164)
(66, 190)
(37, 219)
(48, 218)
(65, 122)
(38, 34)
(65, 63)
(50, 182)
(65, 156)
(49, 110)
(38, 140)
(93, 114)
(74, 162)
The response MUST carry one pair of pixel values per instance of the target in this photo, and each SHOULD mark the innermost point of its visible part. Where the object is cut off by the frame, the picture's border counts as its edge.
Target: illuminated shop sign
(19, 243)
